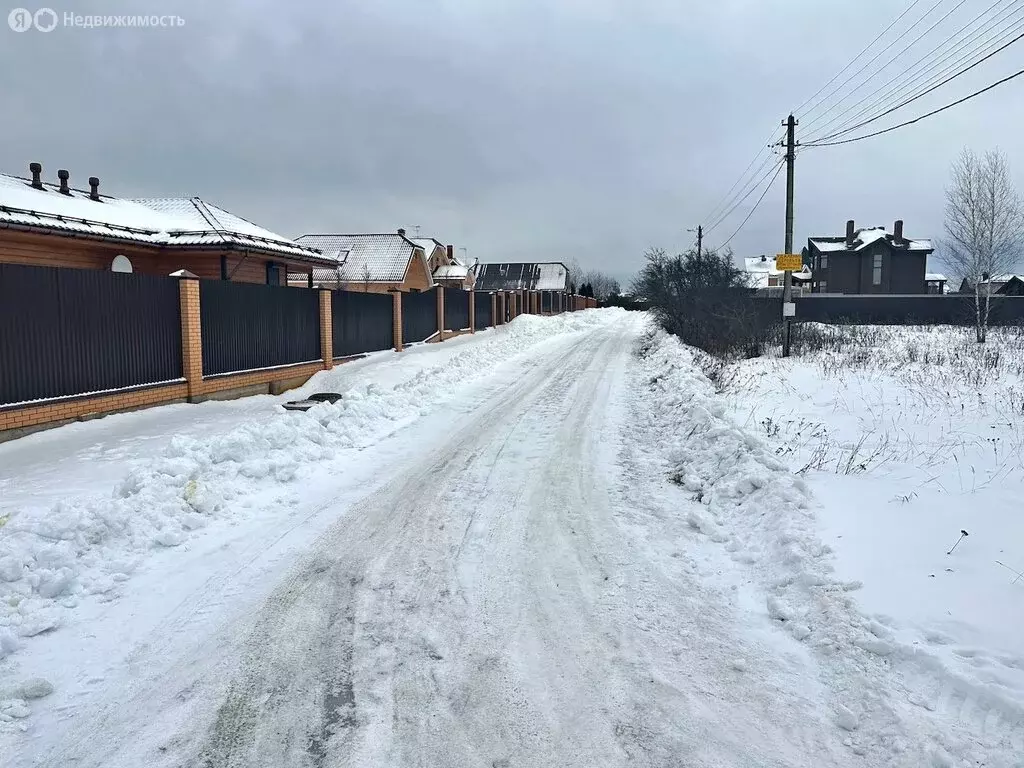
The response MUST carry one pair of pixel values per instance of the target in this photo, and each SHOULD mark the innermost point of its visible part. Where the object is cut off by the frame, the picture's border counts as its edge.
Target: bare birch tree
(366, 275)
(984, 226)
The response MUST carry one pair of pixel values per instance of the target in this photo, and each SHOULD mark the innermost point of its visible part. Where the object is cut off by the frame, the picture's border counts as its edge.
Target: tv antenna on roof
(417, 228)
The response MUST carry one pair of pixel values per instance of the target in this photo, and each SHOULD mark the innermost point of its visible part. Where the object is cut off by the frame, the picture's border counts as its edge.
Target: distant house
(935, 283)
(445, 268)
(999, 285)
(765, 279)
(527, 276)
(868, 261)
(375, 263)
(57, 225)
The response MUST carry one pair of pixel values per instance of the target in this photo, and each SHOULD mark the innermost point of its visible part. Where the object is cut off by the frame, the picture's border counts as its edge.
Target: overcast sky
(520, 130)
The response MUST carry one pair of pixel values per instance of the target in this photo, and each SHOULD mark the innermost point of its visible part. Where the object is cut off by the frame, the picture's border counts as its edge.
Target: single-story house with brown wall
(378, 263)
(57, 225)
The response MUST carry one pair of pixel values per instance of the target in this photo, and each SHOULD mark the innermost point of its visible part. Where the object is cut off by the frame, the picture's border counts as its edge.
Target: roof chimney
(94, 188)
(64, 176)
(851, 233)
(37, 170)
(401, 232)
(451, 252)
(897, 232)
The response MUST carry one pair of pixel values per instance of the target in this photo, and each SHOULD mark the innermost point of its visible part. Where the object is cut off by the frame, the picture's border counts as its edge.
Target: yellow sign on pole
(789, 262)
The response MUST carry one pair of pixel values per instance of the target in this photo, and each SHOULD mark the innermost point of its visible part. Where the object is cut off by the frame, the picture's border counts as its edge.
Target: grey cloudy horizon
(571, 129)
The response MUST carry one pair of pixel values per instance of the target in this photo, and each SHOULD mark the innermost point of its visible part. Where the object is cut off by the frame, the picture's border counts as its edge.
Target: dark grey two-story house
(869, 260)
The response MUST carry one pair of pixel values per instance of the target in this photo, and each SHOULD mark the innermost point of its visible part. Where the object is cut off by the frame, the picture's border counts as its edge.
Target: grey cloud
(573, 129)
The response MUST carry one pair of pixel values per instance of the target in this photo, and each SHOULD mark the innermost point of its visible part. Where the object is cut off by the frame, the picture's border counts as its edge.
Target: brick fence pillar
(326, 329)
(396, 319)
(494, 309)
(472, 312)
(440, 312)
(191, 332)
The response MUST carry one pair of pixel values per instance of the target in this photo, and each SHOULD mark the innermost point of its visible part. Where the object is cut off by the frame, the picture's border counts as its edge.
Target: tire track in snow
(294, 701)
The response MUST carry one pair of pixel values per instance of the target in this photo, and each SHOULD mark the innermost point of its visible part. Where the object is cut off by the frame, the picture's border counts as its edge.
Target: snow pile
(899, 703)
(51, 557)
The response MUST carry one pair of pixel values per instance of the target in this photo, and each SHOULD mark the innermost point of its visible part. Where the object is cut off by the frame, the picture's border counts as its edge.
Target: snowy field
(906, 437)
(552, 543)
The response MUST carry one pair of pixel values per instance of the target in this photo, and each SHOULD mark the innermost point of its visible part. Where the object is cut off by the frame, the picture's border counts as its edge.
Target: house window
(273, 273)
(121, 263)
(876, 270)
(823, 287)
(823, 261)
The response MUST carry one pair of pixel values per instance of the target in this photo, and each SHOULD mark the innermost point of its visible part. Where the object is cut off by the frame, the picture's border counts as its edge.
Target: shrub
(705, 301)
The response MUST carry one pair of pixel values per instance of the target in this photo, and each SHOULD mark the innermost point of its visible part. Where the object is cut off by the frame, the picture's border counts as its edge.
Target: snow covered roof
(206, 224)
(383, 258)
(451, 271)
(760, 268)
(933, 277)
(429, 245)
(165, 222)
(865, 237)
(547, 276)
(23, 205)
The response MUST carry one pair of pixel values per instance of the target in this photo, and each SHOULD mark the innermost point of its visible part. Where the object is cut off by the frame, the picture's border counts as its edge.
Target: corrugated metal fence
(482, 309)
(894, 310)
(68, 332)
(362, 322)
(456, 309)
(246, 326)
(419, 316)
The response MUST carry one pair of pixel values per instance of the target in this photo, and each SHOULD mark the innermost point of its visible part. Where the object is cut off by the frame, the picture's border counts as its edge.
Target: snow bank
(897, 701)
(51, 557)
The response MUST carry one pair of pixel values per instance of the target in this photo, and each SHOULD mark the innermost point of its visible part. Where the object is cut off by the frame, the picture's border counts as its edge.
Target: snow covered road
(507, 580)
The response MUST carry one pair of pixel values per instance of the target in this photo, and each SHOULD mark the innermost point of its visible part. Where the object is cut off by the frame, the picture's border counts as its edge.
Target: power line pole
(787, 289)
(700, 238)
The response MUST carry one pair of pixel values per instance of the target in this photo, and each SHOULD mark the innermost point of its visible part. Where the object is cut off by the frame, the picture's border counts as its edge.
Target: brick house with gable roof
(375, 263)
(56, 225)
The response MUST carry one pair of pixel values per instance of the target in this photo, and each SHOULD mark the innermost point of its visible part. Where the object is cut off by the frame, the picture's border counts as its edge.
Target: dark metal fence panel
(456, 309)
(361, 322)
(419, 316)
(918, 309)
(905, 310)
(483, 317)
(246, 326)
(67, 332)
(545, 301)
